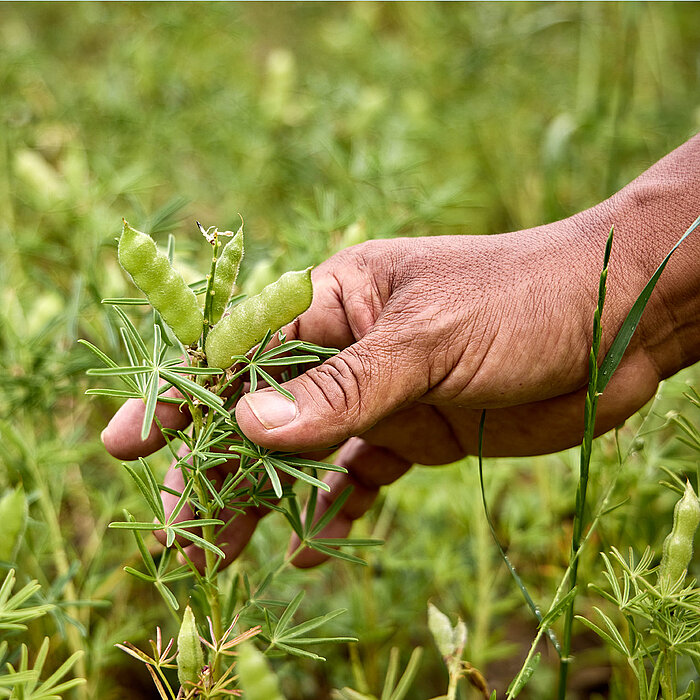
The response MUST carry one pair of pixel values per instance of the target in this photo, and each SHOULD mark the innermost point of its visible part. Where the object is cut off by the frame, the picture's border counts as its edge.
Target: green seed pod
(164, 286)
(190, 657)
(277, 305)
(225, 276)
(13, 513)
(257, 679)
(678, 546)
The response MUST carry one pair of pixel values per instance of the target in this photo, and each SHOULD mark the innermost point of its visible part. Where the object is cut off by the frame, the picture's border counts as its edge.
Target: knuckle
(336, 382)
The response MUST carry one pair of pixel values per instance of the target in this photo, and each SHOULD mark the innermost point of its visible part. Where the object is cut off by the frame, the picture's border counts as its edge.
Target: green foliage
(325, 125)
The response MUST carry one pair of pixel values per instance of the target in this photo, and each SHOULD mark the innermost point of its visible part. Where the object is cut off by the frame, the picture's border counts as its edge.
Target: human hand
(435, 330)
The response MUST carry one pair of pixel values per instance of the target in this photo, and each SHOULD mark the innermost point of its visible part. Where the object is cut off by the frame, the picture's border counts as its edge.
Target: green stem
(584, 467)
(454, 669)
(668, 686)
(558, 595)
(208, 298)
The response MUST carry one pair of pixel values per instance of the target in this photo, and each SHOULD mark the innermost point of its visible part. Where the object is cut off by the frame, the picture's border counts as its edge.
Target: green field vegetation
(323, 125)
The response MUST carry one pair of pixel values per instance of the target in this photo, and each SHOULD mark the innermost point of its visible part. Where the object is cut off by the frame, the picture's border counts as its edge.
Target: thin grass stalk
(516, 577)
(590, 408)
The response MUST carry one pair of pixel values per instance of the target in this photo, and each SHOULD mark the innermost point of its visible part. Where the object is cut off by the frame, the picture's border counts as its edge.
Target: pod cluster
(234, 335)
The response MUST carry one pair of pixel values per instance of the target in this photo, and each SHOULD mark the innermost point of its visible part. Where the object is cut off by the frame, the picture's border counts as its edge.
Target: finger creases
(343, 397)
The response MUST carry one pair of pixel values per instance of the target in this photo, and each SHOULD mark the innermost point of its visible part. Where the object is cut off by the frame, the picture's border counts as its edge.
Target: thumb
(344, 396)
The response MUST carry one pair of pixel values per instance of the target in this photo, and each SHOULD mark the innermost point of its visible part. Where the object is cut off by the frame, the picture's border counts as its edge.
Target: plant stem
(668, 690)
(208, 298)
(590, 407)
(454, 679)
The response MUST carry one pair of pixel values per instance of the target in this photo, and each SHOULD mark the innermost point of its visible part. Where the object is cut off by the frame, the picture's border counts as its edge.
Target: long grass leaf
(622, 339)
(516, 577)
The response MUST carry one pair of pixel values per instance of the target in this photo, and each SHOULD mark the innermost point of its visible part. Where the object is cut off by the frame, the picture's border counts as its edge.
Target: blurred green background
(322, 125)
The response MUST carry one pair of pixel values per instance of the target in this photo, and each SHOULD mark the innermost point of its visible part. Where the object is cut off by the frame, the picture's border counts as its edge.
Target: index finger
(122, 436)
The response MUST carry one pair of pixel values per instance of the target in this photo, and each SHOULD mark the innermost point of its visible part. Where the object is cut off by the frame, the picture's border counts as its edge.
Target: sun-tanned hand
(434, 330)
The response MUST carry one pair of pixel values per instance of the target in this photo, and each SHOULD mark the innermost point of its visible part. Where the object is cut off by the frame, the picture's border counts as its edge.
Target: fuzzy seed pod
(190, 657)
(441, 629)
(277, 305)
(678, 546)
(164, 286)
(225, 276)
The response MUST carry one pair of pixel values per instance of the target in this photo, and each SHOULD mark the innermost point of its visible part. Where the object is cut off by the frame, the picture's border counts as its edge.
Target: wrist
(650, 215)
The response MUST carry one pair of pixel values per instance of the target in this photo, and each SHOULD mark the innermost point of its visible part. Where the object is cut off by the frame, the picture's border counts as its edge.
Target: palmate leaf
(336, 553)
(24, 680)
(288, 638)
(125, 301)
(13, 609)
(135, 338)
(187, 386)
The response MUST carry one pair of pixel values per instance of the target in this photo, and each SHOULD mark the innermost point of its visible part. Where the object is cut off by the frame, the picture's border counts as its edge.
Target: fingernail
(102, 435)
(271, 409)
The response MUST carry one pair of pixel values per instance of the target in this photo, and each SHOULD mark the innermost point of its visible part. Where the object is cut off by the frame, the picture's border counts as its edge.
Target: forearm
(650, 215)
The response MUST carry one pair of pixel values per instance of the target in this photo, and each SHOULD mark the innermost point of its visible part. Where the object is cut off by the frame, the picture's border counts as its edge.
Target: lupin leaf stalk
(163, 285)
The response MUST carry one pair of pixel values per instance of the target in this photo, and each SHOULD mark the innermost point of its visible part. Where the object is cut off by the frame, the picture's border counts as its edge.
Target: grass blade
(624, 335)
(516, 577)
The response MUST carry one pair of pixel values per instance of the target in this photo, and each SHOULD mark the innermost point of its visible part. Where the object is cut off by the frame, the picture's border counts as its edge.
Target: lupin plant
(205, 351)
(660, 606)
